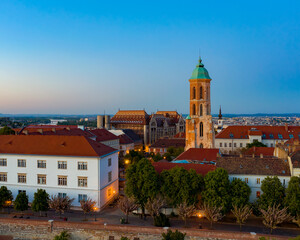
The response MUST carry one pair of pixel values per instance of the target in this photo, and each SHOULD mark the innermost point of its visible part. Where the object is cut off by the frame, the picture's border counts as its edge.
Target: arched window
(201, 110)
(194, 109)
(201, 145)
(194, 93)
(201, 129)
(207, 110)
(207, 94)
(201, 93)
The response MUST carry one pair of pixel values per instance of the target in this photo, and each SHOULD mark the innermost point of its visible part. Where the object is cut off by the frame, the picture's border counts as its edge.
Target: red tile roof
(202, 169)
(180, 135)
(103, 135)
(57, 132)
(124, 139)
(168, 142)
(267, 132)
(265, 151)
(199, 154)
(139, 117)
(53, 145)
(50, 126)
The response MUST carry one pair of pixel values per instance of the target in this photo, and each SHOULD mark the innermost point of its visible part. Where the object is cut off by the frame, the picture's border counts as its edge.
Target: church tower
(199, 125)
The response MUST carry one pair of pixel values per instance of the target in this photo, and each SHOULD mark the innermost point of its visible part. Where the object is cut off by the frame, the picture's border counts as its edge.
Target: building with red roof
(199, 155)
(161, 145)
(260, 151)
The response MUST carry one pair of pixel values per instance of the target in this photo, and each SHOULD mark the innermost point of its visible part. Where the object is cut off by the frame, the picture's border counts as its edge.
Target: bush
(161, 221)
(125, 238)
(64, 235)
(173, 235)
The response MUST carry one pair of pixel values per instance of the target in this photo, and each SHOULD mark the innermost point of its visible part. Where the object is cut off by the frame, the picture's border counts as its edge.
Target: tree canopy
(292, 198)
(255, 143)
(5, 195)
(180, 185)
(141, 182)
(21, 202)
(217, 189)
(40, 201)
(6, 131)
(239, 192)
(273, 192)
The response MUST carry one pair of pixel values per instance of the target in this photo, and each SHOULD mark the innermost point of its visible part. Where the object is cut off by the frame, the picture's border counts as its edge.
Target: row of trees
(43, 202)
(215, 194)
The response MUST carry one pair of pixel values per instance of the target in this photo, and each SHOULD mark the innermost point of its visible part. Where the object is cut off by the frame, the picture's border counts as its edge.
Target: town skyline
(61, 58)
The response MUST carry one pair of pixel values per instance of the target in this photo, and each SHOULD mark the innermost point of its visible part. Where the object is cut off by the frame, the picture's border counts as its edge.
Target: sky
(87, 57)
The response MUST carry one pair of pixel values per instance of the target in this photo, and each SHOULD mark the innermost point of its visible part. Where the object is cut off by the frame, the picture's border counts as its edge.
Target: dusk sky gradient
(87, 57)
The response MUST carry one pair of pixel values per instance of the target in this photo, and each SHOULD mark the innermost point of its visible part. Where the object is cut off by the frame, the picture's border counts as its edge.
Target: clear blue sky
(84, 57)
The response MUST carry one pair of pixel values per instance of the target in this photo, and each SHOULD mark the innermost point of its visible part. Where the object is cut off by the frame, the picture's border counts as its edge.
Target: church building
(199, 125)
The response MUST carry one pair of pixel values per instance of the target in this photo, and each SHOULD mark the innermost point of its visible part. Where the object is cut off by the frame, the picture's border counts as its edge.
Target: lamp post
(95, 210)
(200, 216)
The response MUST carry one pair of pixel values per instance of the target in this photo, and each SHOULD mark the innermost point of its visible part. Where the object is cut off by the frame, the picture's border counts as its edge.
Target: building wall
(96, 174)
(254, 185)
(112, 143)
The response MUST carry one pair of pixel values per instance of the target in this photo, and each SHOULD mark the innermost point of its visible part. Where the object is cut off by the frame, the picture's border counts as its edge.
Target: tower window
(201, 145)
(194, 109)
(194, 93)
(201, 93)
(201, 110)
(201, 129)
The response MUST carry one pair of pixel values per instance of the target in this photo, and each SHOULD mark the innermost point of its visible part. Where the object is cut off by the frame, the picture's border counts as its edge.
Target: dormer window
(271, 135)
(291, 136)
(280, 136)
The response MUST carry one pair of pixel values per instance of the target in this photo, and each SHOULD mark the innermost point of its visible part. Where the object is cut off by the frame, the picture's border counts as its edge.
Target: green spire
(188, 117)
(200, 72)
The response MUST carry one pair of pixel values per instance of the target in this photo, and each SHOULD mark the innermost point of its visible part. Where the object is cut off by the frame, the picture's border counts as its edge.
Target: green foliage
(5, 195)
(64, 235)
(296, 238)
(292, 199)
(217, 189)
(180, 185)
(40, 201)
(142, 182)
(156, 157)
(255, 143)
(125, 238)
(273, 192)
(161, 220)
(134, 156)
(173, 235)
(6, 131)
(239, 192)
(21, 202)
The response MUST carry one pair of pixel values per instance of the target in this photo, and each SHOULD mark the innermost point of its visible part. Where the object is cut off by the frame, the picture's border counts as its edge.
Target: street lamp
(95, 210)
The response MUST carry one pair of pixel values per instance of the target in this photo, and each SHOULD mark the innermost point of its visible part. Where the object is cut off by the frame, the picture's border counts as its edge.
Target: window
(258, 194)
(291, 136)
(241, 144)
(109, 176)
(201, 145)
(194, 109)
(82, 181)
(220, 144)
(283, 181)
(280, 136)
(225, 144)
(62, 180)
(194, 93)
(62, 195)
(201, 129)
(3, 177)
(62, 164)
(271, 144)
(41, 179)
(82, 165)
(109, 192)
(201, 92)
(41, 163)
(264, 136)
(3, 162)
(229, 144)
(271, 135)
(246, 180)
(109, 162)
(258, 181)
(22, 191)
(201, 110)
(82, 197)
(234, 145)
(21, 177)
(21, 163)
(231, 135)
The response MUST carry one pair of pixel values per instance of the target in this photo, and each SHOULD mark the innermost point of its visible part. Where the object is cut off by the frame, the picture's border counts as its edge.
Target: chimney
(261, 155)
(40, 131)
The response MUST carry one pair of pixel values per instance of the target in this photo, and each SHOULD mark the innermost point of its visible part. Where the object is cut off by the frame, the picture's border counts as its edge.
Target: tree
(60, 204)
(185, 211)
(179, 185)
(274, 215)
(141, 182)
(212, 213)
(40, 202)
(255, 143)
(217, 189)
(292, 198)
(127, 206)
(173, 235)
(87, 206)
(64, 235)
(273, 192)
(6, 131)
(5, 197)
(21, 202)
(239, 192)
(134, 156)
(154, 205)
(156, 157)
(241, 213)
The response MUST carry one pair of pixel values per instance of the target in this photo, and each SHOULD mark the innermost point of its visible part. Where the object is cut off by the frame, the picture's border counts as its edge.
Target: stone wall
(37, 229)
